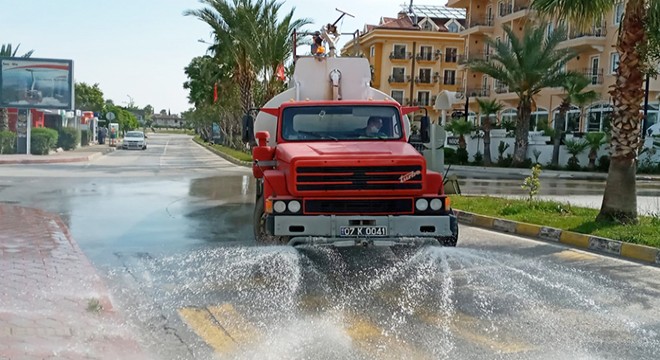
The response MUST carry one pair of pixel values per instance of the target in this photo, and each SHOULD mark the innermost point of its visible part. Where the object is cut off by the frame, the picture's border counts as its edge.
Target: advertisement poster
(28, 83)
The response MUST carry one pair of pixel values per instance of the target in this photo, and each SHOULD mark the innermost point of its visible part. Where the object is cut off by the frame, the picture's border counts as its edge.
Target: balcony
(501, 89)
(591, 39)
(595, 75)
(479, 25)
(477, 91)
(461, 4)
(400, 79)
(421, 102)
(478, 55)
(423, 80)
(449, 81)
(400, 55)
(510, 12)
(427, 56)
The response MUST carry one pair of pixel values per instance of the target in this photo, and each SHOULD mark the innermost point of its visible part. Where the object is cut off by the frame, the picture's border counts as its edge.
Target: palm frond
(581, 13)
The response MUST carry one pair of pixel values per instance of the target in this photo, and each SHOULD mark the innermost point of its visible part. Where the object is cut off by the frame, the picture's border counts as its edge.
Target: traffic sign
(110, 115)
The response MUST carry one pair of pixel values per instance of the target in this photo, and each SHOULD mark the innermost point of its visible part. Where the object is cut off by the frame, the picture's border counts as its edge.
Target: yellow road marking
(203, 324)
(571, 255)
(575, 239)
(468, 328)
(233, 323)
(638, 252)
(374, 342)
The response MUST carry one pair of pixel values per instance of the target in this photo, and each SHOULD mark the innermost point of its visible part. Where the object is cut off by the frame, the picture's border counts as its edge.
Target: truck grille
(318, 178)
(352, 206)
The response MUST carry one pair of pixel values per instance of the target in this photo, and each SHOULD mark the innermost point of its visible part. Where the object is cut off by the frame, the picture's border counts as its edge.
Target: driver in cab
(374, 125)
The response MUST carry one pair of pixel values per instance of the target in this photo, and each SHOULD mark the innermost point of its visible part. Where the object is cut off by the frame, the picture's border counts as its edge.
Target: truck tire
(261, 234)
(452, 240)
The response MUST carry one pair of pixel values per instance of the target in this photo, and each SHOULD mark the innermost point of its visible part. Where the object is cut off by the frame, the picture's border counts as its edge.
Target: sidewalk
(49, 293)
(85, 153)
(480, 172)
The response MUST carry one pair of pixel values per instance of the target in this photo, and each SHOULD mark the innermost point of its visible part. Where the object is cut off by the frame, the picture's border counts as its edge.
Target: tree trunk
(620, 198)
(522, 132)
(559, 135)
(4, 119)
(486, 126)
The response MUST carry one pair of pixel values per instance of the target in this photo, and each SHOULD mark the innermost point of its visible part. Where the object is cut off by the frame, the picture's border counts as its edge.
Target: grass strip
(562, 216)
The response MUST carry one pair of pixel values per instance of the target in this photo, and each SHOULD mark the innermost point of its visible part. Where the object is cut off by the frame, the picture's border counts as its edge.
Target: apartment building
(597, 59)
(413, 63)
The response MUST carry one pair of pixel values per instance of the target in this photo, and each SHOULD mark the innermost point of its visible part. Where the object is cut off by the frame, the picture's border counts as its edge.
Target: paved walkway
(53, 305)
(85, 153)
(496, 172)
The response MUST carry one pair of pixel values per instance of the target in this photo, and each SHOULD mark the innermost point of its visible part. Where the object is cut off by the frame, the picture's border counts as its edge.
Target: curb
(596, 244)
(54, 160)
(227, 157)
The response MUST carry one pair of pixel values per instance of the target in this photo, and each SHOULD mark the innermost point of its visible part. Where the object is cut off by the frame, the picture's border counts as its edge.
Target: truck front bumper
(326, 230)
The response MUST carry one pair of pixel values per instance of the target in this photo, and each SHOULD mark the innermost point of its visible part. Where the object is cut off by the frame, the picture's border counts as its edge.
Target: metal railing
(595, 75)
(476, 92)
(422, 79)
(398, 78)
(398, 55)
(425, 56)
(479, 55)
(481, 21)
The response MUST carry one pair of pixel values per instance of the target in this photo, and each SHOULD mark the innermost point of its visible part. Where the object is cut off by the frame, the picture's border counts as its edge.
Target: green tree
(460, 128)
(88, 97)
(638, 46)
(595, 140)
(526, 65)
(487, 108)
(574, 94)
(7, 50)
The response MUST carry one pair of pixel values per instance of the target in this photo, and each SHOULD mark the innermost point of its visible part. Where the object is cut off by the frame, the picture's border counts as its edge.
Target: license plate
(367, 231)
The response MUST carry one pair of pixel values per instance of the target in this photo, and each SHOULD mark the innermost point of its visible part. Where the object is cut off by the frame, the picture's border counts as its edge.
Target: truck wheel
(452, 240)
(261, 234)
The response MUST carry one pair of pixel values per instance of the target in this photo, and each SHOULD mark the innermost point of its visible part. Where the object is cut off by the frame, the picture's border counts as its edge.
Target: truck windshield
(349, 122)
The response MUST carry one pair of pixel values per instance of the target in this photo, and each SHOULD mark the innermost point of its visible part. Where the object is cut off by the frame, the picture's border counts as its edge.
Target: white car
(134, 140)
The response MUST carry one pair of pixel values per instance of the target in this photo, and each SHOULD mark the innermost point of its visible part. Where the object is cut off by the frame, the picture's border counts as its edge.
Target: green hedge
(42, 140)
(7, 142)
(69, 138)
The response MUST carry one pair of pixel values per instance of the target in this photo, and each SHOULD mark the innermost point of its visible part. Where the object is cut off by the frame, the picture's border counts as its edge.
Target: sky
(137, 49)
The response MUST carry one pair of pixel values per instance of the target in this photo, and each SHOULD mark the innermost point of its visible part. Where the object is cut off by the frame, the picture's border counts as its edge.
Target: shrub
(84, 137)
(505, 161)
(69, 138)
(532, 183)
(42, 140)
(603, 163)
(478, 159)
(7, 142)
(450, 156)
(462, 156)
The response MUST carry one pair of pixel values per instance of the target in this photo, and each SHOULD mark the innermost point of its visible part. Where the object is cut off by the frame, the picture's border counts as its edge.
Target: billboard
(29, 83)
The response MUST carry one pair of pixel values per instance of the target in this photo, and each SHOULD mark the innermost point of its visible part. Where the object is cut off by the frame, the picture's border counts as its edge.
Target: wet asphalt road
(170, 230)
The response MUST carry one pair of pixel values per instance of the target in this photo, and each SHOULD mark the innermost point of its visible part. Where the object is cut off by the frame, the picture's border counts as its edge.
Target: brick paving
(48, 289)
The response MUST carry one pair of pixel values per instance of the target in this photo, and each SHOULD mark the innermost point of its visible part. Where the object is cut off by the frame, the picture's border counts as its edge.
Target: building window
(427, 26)
(618, 13)
(426, 53)
(425, 76)
(399, 51)
(453, 27)
(372, 51)
(614, 62)
(451, 55)
(397, 95)
(423, 98)
(598, 118)
(450, 77)
(398, 74)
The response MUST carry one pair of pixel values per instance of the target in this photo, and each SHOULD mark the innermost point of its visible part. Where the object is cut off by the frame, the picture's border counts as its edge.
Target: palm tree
(595, 140)
(275, 45)
(575, 148)
(7, 50)
(460, 128)
(575, 94)
(488, 107)
(638, 46)
(526, 65)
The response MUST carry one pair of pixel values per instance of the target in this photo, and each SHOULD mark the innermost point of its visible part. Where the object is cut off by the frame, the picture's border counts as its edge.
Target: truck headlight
(279, 206)
(421, 204)
(294, 206)
(436, 204)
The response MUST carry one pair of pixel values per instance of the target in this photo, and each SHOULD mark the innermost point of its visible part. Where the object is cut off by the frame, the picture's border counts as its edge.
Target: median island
(561, 216)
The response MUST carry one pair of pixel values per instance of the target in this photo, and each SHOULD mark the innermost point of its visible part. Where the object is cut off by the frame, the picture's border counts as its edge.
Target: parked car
(134, 140)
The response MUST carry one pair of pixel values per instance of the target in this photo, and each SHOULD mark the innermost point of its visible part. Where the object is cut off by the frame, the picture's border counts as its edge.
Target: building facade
(597, 58)
(413, 63)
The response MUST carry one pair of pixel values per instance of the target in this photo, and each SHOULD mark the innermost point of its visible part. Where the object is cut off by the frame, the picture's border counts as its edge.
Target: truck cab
(334, 167)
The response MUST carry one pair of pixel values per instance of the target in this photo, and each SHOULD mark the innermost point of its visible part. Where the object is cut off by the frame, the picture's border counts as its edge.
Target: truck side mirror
(425, 129)
(248, 128)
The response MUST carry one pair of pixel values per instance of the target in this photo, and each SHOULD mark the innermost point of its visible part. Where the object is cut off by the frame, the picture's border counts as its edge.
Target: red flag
(215, 92)
(280, 72)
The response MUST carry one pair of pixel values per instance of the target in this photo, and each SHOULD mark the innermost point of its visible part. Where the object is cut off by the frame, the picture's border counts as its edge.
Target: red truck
(334, 167)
